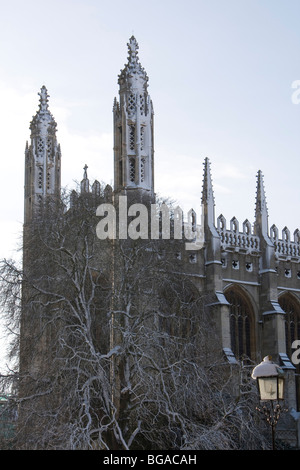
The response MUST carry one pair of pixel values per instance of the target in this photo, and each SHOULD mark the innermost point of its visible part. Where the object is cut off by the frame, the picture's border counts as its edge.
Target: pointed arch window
(291, 306)
(242, 330)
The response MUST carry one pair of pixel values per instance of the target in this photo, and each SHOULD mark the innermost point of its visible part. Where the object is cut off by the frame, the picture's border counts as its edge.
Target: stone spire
(133, 128)
(208, 200)
(42, 158)
(261, 227)
(208, 217)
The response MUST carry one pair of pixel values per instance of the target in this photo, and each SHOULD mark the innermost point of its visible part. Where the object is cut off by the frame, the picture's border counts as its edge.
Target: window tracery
(241, 324)
(40, 177)
(132, 170)
(292, 320)
(142, 137)
(131, 136)
(142, 104)
(40, 146)
(291, 307)
(49, 147)
(48, 180)
(131, 103)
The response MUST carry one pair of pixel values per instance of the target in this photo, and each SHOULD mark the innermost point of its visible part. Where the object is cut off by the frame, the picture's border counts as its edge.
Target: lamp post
(270, 383)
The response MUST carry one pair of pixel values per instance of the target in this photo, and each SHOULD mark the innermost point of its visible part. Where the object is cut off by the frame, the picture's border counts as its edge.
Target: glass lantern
(271, 388)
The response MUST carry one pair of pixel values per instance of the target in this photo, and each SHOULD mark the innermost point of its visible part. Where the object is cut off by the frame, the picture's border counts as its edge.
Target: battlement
(285, 248)
(246, 241)
(234, 240)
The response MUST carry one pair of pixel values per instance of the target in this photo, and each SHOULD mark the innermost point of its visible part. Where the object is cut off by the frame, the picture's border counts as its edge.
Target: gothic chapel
(251, 271)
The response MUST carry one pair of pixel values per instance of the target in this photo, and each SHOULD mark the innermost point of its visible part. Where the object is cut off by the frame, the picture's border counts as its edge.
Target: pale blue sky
(220, 76)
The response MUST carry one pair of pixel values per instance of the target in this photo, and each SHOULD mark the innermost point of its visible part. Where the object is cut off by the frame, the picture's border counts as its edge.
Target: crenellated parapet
(232, 239)
(246, 241)
(286, 248)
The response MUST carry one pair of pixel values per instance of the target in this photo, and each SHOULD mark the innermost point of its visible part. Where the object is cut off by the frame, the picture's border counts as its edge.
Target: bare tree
(115, 349)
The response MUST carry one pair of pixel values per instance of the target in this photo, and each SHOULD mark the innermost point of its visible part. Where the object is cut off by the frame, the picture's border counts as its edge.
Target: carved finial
(43, 99)
(133, 68)
(85, 172)
(133, 49)
(116, 106)
(85, 184)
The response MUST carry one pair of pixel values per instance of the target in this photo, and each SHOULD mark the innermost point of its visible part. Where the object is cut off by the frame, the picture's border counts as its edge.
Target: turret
(42, 159)
(133, 128)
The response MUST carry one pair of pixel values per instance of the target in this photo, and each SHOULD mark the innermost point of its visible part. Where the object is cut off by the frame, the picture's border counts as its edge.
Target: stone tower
(133, 128)
(42, 159)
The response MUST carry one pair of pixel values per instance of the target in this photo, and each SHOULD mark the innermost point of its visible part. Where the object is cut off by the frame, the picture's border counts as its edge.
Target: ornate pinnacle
(43, 116)
(85, 171)
(133, 50)
(208, 200)
(261, 202)
(85, 185)
(207, 192)
(43, 99)
(261, 211)
(133, 68)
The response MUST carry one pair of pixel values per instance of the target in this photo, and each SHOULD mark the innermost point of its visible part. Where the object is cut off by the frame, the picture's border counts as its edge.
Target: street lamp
(270, 383)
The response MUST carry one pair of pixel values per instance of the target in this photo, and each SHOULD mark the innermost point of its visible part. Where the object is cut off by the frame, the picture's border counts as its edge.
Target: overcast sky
(220, 78)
